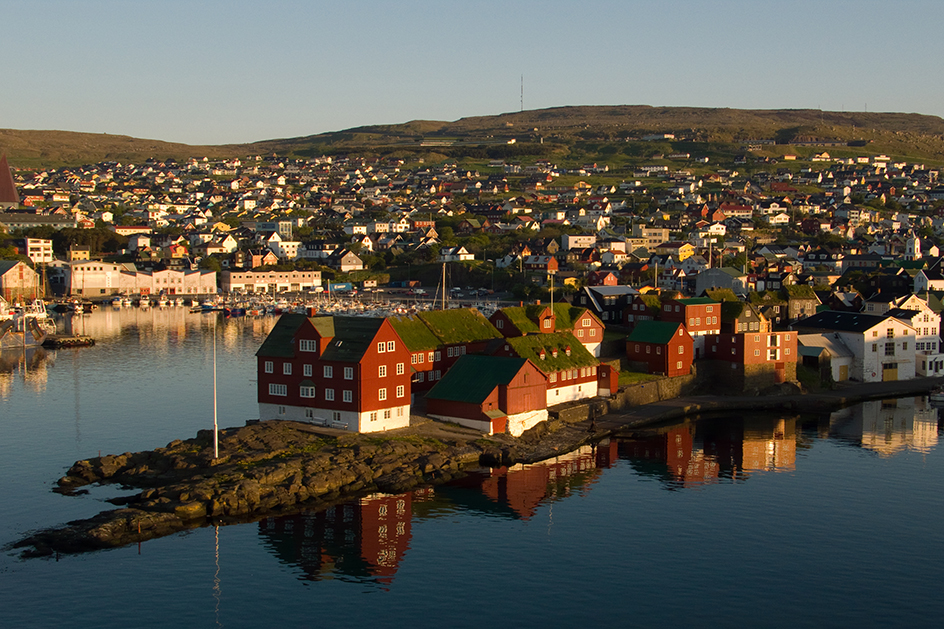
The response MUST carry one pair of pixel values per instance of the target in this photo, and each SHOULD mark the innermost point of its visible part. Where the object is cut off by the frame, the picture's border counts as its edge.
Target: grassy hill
(609, 133)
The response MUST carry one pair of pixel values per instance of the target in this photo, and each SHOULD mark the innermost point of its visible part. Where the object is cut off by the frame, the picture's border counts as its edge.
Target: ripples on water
(758, 521)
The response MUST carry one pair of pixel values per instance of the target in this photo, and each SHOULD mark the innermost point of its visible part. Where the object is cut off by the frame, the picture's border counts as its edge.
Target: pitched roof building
(9, 197)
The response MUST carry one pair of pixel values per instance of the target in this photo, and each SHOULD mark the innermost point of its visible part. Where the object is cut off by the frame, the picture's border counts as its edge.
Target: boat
(936, 396)
(24, 327)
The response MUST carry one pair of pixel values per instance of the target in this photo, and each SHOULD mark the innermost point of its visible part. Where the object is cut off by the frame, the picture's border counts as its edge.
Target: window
(709, 309)
(306, 369)
(681, 349)
(420, 358)
(381, 394)
(373, 416)
(287, 369)
(382, 371)
(347, 395)
(306, 345)
(593, 331)
(890, 333)
(658, 352)
(381, 347)
(401, 390)
(421, 376)
(401, 369)
(387, 413)
(278, 389)
(309, 413)
(874, 347)
(328, 371)
(547, 323)
(414, 359)
(329, 395)
(889, 349)
(391, 346)
(678, 365)
(757, 352)
(269, 367)
(306, 391)
(579, 333)
(349, 373)
(499, 324)
(449, 352)
(281, 410)
(904, 346)
(648, 349)
(438, 356)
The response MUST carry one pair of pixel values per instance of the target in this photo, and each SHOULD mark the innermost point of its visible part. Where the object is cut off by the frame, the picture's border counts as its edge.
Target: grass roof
(520, 317)
(721, 294)
(415, 334)
(530, 347)
(459, 325)
(800, 291)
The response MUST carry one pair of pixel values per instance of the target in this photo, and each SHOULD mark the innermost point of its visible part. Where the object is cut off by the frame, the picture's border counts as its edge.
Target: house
(18, 282)
(454, 254)
(883, 347)
(344, 260)
(726, 277)
(344, 372)
(602, 278)
(755, 359)
(826, 353)
(700, 316)
(541, 319)
(436, 339)
(663, 347)
(606, 302)
(269, 281)
(570, 369)
(492, 394)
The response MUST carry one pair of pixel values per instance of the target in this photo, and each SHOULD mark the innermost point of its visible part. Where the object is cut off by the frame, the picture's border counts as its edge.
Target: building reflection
(362, 540)
(888, 427)
(709, 451)
(518, 491)
(30, 364)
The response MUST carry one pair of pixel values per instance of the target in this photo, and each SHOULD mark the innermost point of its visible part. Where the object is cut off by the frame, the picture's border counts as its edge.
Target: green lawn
(634, 377)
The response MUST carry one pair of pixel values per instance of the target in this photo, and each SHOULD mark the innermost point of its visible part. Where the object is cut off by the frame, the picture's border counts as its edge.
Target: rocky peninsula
(277, 467)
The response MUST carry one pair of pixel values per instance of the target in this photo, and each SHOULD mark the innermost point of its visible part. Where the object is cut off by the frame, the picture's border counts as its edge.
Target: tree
(210, 263)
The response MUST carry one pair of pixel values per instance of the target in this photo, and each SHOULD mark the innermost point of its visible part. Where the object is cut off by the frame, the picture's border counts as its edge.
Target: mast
(444, 286)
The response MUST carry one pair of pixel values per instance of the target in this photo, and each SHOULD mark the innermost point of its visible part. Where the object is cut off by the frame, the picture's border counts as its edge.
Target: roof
(415, 334)
(659, 332)
(841, 321)
(350, 336)
(459, 325)
(472, 378)
(530, 347)
(8, 193)
(819, 342)
(697, 301)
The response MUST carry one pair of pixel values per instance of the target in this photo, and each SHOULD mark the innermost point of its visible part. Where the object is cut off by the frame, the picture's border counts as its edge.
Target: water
(764, 521)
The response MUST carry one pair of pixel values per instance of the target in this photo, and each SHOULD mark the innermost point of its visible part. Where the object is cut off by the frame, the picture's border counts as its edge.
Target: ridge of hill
(575, 132)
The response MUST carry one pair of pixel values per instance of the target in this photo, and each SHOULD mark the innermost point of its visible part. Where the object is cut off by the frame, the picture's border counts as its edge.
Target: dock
(61, 341)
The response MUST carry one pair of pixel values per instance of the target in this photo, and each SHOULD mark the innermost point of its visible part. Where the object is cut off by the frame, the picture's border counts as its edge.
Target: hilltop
(579, 132)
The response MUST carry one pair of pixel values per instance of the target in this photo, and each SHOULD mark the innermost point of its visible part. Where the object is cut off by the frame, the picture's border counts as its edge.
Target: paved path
(826, 401)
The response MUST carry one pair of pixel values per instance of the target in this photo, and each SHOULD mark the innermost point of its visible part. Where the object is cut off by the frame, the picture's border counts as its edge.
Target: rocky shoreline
(275, 467)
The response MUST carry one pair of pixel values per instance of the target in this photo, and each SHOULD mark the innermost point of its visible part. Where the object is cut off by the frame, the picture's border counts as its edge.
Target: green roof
(696, 301)
(520, 317)
(350, 336)
(766, 298)
(530, 347)
(565, 315)
(721, 294)
(472, 378)
(459, 325)
(280, 342)
(416, 336)
(800, 291)
(660, 332)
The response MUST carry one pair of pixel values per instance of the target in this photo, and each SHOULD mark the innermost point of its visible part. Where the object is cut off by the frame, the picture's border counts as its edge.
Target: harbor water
(771, 521)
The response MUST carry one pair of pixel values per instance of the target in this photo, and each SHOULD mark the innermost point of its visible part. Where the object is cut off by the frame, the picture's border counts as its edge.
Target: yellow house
(678, 250)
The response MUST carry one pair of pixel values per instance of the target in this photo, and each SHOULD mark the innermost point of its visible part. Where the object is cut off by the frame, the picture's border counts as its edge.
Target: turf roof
(416, 336)
(459, 325)
(530, 347)
(474, 377)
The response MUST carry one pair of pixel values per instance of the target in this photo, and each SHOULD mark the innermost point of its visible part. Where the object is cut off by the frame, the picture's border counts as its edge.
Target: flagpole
(216, 436)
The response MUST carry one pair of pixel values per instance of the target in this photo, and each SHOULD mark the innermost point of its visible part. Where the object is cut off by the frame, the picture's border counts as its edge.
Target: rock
(191, 511)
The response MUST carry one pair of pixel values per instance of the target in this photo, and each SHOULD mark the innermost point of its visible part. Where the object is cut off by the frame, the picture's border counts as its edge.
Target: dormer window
(567, 350)
(542, 354)
(554, 352)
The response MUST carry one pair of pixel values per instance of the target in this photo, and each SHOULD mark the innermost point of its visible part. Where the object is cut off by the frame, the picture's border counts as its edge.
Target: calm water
(740, 522)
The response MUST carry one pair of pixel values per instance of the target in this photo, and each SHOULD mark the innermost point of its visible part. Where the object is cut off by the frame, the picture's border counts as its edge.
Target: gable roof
(841, 321)
(350, 336)
(8, 193)
(472, 378)
(415, 334)
(659, 332)
(459, 325)
(530, 347)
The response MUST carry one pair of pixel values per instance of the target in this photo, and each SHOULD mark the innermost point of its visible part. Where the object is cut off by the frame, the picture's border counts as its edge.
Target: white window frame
(269, 366)
(347, 395)
(328, 371)
(329, 395)
(278, 389)
(382, 394)
(349, 373)
(401, 390)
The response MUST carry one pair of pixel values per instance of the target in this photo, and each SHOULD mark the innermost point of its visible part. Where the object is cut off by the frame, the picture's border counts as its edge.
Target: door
(843, 373)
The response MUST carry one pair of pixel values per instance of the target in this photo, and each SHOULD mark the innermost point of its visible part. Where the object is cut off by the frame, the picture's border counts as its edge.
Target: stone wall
(745, 379)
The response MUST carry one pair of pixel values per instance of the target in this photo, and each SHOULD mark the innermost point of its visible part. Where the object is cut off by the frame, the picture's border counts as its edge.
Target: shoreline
(272, 468)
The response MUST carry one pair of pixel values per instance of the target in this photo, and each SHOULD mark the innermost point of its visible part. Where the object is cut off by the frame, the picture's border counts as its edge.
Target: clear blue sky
(213, 71)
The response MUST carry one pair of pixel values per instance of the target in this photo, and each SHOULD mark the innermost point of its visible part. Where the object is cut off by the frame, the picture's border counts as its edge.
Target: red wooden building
(346, 372)
(542, 319)
(492, 394)
(665, 347)
(700, 316)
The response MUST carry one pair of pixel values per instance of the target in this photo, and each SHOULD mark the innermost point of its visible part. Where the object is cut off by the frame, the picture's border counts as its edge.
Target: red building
(602, 278)
(571, 370)
(492, 394)
(346, 372)
(755, 353)
(700, 316)
(541, 319)
(664, 346)
(436, 339)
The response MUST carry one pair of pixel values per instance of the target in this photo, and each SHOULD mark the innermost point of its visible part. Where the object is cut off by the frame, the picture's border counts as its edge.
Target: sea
(740, 521)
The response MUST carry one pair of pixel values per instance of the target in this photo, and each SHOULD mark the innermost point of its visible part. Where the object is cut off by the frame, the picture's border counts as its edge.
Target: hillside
(564, 132)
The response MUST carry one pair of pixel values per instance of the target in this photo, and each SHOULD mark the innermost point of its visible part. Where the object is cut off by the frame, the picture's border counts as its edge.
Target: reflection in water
(30, 364)
(887, 427)
(693, 454)
(363, 540)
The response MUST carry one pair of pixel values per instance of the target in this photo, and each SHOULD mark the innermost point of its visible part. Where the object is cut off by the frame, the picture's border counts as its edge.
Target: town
(522, 285)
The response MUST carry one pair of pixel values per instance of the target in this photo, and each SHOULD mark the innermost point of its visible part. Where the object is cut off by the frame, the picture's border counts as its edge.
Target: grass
(635, 377)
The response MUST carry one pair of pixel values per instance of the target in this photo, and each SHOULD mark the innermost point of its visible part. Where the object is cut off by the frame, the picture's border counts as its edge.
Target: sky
(216, 72)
